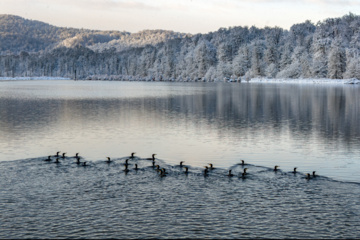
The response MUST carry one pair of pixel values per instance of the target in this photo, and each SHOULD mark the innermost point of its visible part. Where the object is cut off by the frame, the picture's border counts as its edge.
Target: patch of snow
(353, 81)
(305, 80)
(32, 78)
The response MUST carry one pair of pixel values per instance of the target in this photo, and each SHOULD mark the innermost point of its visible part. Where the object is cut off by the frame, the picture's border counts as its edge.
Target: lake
(314, 127)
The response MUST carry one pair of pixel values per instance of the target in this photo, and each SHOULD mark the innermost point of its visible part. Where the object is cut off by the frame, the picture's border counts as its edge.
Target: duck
(163, 172)
(57, 160)
(242, 162)
(181, 163)
(294, 170)
(152, 157)
(48, 159)
(230, 174)
(84, 164)
(136, 167)
(63, 155)
(313, 174)
(57, 154)
(78, 160)
(126, 162)
(276, 168)
(132, 155)
(108, 160)
(243, 175)
(157, 167)
(206, 171)
(186, 170)
(244, 172)
(126, 168)
(211, 166)
(76, 154)
(308, 176)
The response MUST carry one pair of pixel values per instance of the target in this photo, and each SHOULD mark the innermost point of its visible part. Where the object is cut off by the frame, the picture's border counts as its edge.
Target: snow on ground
(306, 80)
(33, 78)
(253, 80)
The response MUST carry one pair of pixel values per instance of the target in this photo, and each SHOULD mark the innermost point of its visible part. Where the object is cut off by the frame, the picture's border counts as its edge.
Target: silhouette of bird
(206, 171)
(127, 162)
(230, 174)
(48, 159)
(126, 168)
(276, 168)
(163, 172)
(152, 157)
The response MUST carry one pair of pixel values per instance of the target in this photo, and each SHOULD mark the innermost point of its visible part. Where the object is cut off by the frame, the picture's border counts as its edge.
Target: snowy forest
(327, 49)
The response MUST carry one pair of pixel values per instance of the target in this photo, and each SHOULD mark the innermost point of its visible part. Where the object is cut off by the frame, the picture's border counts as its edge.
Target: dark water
(312, 127)
(65, 200)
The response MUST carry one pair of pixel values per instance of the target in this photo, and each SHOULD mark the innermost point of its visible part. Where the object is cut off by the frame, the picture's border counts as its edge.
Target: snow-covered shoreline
(253, 80)
(306, 80)
(32, 78)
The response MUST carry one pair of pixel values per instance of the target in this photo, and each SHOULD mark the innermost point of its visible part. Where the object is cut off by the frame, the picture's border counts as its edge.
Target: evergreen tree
(337, 60)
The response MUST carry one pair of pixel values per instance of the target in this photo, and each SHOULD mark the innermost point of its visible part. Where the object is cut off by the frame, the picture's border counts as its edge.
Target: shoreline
(253, 80)
(32, 78)
(306, 80)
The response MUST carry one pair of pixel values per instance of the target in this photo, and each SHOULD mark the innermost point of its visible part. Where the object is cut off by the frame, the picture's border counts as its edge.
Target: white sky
(187, 16)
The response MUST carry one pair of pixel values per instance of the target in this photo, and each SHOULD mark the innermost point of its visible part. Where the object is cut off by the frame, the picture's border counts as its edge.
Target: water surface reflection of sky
(312, 127)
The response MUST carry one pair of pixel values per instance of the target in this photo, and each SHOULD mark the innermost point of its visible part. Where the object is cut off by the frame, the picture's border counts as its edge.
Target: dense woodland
(327, 49)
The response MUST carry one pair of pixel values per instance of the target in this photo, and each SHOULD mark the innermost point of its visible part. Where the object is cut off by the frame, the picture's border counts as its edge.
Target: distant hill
(327, 49)
(140, 39)
(18, 34)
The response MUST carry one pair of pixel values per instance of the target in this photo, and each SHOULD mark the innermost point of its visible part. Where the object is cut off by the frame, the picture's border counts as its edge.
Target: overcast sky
(188, 16)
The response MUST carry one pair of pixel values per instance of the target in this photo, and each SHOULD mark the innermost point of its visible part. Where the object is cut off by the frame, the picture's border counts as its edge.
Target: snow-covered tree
(257, 66)
(320, 61)
(242, 62)
(352, 64)
(204, 57)
(336, 60)
(328, 49)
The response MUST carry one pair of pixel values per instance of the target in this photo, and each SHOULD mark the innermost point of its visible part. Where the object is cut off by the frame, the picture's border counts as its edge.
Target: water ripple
(41, 199)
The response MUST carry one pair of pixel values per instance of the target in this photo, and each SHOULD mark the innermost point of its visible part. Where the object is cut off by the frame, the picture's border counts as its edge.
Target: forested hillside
(18, 34)
(327, 49)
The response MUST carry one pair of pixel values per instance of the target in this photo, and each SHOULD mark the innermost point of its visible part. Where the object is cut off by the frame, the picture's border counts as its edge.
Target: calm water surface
(311, 127)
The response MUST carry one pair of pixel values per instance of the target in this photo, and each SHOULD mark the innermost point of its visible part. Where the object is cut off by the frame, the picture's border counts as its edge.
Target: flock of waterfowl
(162, 171)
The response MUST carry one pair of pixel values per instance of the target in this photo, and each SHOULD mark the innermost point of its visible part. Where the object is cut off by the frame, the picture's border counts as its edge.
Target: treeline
(328, 49)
